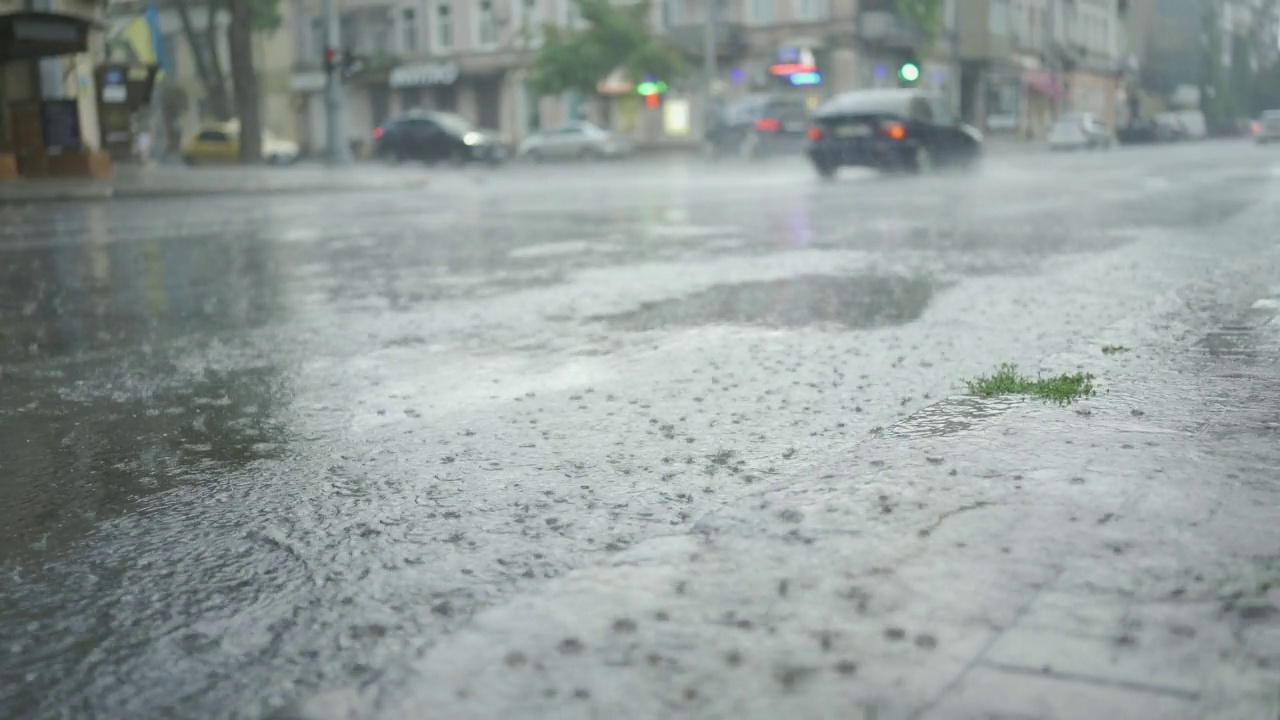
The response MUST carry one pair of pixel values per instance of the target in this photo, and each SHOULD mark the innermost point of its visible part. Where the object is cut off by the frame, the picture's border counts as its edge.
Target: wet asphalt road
(256, 447)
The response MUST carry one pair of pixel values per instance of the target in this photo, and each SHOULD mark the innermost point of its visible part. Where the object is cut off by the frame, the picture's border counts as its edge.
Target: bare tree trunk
(240, 43)
(210, 77)
(219, 98)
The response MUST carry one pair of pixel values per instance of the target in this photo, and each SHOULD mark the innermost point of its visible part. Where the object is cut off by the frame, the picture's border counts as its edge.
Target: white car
(575, 141)
(1269, 127)
(1075, 131)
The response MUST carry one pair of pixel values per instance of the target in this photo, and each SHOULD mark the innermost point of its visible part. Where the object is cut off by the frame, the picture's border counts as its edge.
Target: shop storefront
(48, 101)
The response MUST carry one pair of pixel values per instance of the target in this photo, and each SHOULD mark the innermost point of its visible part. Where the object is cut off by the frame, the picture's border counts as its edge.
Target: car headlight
(473, 138)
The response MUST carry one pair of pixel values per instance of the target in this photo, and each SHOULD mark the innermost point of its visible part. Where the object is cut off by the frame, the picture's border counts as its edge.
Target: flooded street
(649, 440)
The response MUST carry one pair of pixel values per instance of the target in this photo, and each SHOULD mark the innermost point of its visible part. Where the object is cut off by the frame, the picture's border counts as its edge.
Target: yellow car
(220, 143)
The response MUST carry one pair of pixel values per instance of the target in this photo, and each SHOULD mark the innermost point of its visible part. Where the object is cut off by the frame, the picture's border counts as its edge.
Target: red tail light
(815, 133)
(377, 133)
(768, 125)
(893, 130)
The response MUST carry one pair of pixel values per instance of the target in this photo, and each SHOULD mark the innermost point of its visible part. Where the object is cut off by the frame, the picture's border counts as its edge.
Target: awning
(1042, 82)
(32, 35)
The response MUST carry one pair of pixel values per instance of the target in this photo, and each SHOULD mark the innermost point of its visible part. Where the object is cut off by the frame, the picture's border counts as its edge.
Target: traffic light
(909, 72)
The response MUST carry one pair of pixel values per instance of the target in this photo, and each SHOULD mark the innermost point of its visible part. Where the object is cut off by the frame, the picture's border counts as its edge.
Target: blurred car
(433, 136)
(578, 140)
(901, 129)
(1269, 127)
(1193, 124)
(758, 126)
(220, 143)
(1076, 131)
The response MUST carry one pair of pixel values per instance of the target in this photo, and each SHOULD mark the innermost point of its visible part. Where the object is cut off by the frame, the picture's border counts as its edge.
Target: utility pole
(1051, 51)
(709, 63)
(339, 152)
(953, 37)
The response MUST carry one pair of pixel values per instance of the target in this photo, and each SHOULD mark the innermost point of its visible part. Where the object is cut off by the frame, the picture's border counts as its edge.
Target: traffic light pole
(709, 64)
(338, 151)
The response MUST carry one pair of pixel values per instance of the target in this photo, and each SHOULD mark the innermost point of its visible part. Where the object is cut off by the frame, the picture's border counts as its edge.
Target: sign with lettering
(424, 74)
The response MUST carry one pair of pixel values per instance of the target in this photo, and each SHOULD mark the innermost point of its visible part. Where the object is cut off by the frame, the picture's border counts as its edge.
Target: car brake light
(768, 125)
(893, 130)
(377, 133)
(815, 133)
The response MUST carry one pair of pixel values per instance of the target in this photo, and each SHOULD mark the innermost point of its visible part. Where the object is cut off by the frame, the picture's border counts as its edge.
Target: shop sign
(423, 75)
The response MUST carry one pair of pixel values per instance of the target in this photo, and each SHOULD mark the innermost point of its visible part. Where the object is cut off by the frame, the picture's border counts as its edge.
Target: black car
(901, 129)
(759, 125)
(436, 137)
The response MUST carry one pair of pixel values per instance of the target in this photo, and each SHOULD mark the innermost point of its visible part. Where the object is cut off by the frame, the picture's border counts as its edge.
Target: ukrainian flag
(142, 34)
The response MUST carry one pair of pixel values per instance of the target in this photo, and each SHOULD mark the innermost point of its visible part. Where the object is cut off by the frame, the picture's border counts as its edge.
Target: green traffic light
(650, 87)
(909, 72)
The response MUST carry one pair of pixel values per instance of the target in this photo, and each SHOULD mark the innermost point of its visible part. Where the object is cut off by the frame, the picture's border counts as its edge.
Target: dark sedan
(902, 129)
(436, 137)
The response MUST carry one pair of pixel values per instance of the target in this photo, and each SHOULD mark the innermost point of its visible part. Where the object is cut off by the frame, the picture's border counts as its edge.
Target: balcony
(731, 39)
(887, 29)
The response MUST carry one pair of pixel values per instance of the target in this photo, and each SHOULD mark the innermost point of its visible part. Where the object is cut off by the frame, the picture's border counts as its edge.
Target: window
(760, 12)
(212, 136)
(672, 13)
(570, 16)
(317, 38)
(444, 27)
(531, 21)
(998, 17)
(409, 39)
(811, 9)
(486, 24)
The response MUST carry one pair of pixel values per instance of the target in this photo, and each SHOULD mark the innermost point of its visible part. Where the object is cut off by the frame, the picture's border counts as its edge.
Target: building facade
(1026, 61)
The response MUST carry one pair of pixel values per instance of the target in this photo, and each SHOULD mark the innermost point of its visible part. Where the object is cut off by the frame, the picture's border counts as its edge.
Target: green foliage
(266, 15)
(1007, 381)
(616, 37)
(925, 13)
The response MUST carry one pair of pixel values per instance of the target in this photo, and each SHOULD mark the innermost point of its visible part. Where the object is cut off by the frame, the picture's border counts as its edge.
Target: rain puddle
(854, 302)
(953, 415)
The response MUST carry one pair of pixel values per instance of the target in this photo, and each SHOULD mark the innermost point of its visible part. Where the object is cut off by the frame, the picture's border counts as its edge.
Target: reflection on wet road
(254, 448)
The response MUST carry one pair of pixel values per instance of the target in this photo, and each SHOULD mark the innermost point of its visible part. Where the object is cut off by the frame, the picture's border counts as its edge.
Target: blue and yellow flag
(143, 36)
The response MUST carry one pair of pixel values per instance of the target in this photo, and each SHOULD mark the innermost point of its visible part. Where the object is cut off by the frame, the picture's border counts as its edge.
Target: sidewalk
(1118, 558)
(179, 181)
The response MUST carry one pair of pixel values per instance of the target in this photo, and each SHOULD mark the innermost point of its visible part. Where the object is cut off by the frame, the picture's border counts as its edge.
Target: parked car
(220, 143)
(1193, 124)
(1076, 131)
(578, 140)
(433, 136)
(1269, 127)
(758, 126)
(901, 129)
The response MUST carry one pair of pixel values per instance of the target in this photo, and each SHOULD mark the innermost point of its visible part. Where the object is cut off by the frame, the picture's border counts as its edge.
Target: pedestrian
(142, 146)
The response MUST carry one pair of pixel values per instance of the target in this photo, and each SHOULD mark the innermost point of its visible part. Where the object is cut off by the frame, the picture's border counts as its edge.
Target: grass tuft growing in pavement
(1114, 349)
(1061, 389)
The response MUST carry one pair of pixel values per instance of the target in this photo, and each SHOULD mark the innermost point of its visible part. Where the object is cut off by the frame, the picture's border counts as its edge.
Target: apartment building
(465, 56)
(1025, 61)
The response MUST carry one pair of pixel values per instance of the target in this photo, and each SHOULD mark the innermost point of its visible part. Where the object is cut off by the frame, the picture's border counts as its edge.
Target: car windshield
(626, 360)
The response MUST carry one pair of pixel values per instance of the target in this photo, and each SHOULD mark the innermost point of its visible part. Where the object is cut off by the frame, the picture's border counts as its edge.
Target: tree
(204, 50)
(264, 16)
(616, 37)
(240, 45)
(925, 13)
